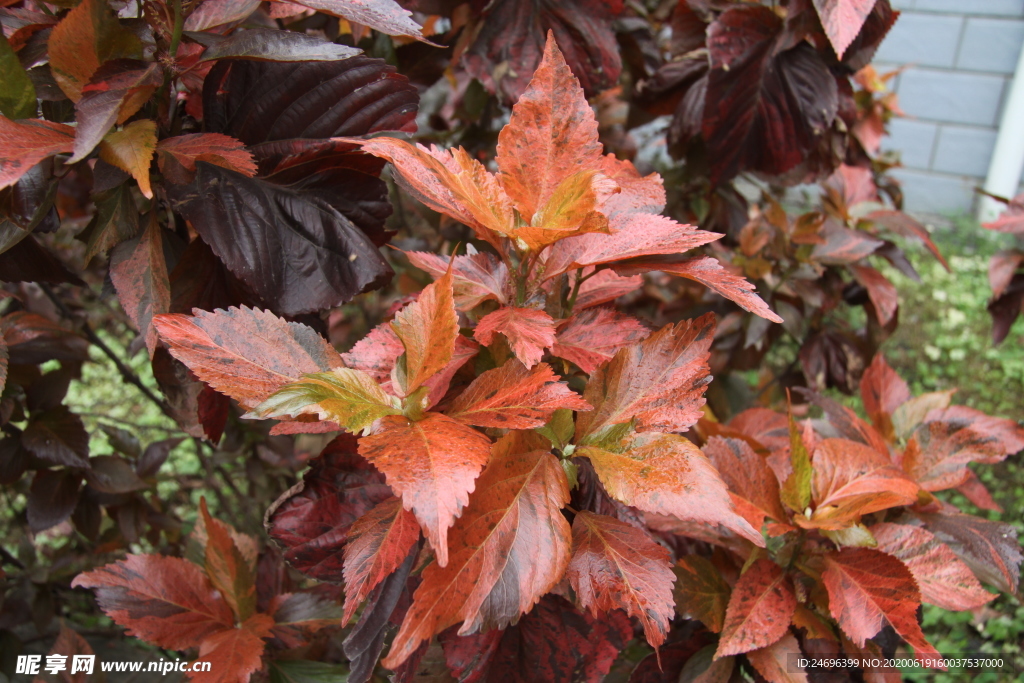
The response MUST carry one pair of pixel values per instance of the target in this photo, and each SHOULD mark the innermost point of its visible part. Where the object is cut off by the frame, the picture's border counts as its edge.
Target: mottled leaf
(228, 570)
(88, 36)
(213, 148)
(748, 476)
(139, 273)
(866, 589)
(658, 382)
(774, 663)
(237, 651)
(529, 331)
(759, 611)
(510, 547)
(475, 277)
(883, 391)
(427, 329)
(590, 338)
(943, 578)
(512, 397)
(245, 353)
(842, 20)
(378, 543)
(989, 548)
(166, 601)
(131, 149)
(432, 465)
(615, 565)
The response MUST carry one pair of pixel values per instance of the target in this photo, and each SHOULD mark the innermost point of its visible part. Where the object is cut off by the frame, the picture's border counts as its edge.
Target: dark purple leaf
(52, 498)
(57, 436)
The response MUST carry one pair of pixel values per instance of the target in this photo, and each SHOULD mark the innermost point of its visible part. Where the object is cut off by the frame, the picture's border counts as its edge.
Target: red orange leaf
(572, 209)
(229, 572)
(604, 286)
(667, 474)
(618, 566)
(378, 543)
(748, 476)
(867, 588)
(551, 135)
(760, 609)
(701, 592)
(658, 382)
(432, 465)
(234, 654)
(528, 330)
(590, 338)
(215, 148)
(708, 271)
(311, 521)
(451, 182)
(773, 662)
(245, 353)
(943, 578)
(842, 20)
(23, 144)
(476, 277)
(851, 480)
(427, 328)
(512, 397)
(376, 353)
(139, 273)
(883, 391)
(509, 548)
(907, 226)
(881, 292)
(166, 601)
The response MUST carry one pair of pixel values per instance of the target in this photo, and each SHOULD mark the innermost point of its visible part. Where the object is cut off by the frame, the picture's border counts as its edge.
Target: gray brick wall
(960, 56)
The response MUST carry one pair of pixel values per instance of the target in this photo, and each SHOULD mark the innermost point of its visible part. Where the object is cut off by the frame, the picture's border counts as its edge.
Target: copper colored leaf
(512, 397)
(843, 246)
(528, 331)
(245, 353)
(211, 13)
(551, 643)
(700, 591)
(376, 353)
(659, 382)
(311, 521)
(427, 328)
(131, 149)
(842, 20)
(166, 601)
(236, 653)
(773, 662)
(590, 338)
(509, 44)
(551, 135)
(709, 271)
(88, 36)
(943, 578)
(760, 608)
(347, 397)
(432, 464)
(866, 589)
(465, 348)
(229, 572)
(851, 480)
(115, 92)
(989, 548)
(378, 543)
(23, 144)
(883, 391)
(604, 286)
(618, 566)
(667, 474)
(1011, 220)
(572, 209)
(907, 226)
(748, 476)
(476, 277)
(978, 494)
(880, 290)
(214, 148)
(139, 273)
(510, 547)
(68, 644)
(386, 16)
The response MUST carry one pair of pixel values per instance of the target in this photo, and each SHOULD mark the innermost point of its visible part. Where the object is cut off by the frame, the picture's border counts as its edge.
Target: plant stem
(179, 24)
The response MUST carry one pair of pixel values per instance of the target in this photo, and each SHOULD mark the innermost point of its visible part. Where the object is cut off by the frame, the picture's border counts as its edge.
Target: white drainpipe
(1007, 163)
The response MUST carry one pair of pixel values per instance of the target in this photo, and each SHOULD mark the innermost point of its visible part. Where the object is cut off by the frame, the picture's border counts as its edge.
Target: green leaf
(306, 671)
(559, 429)
(17, 94)
(796, 491)
(349, 397)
